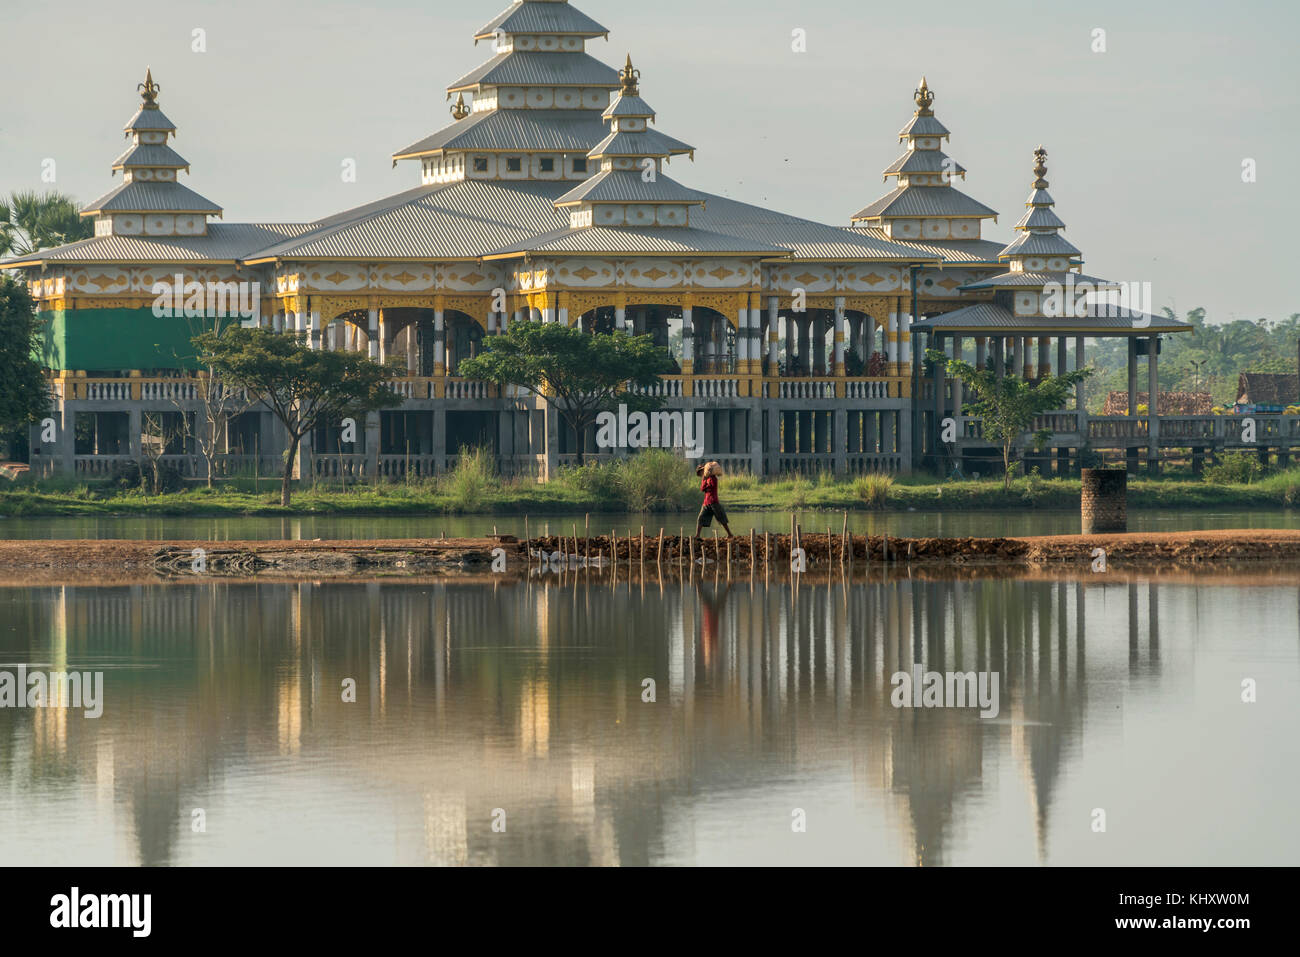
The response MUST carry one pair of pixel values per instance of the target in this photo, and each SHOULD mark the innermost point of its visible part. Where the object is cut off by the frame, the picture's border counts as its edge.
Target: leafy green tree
(579, 374)
(1007, 405)
(24, 393)
(31, 221)
(304, 388)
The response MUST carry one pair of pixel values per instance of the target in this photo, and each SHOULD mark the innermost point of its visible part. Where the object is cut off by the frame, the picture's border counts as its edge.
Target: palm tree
(31, 221)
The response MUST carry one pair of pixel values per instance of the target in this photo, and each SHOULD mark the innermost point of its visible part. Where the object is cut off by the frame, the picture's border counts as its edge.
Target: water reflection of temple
(527, 697)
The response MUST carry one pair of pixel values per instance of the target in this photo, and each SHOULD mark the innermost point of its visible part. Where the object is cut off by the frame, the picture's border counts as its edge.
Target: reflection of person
(709, 474)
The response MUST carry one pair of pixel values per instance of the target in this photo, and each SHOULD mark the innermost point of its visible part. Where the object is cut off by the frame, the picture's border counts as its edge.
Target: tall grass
(654, 480)
(469, 483)
(873, 490)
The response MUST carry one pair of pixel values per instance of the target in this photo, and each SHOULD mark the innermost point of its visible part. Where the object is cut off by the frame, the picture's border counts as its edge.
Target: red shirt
(710, 489)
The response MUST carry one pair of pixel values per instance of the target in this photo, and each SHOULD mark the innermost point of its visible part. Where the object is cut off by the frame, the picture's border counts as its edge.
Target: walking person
(709, 474)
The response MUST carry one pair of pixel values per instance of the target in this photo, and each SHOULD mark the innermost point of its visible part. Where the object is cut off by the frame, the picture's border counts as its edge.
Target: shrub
(469, 483)
(1234, 468)
(873, 490)
(656, 480)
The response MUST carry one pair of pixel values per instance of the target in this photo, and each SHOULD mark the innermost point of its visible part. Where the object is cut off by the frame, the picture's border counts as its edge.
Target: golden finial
(630, 76)
(149, 90)
(1040, 168)
(459, 111)
(924, 99)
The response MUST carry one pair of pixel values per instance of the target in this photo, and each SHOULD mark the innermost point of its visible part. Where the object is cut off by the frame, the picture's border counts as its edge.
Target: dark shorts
(709, 512)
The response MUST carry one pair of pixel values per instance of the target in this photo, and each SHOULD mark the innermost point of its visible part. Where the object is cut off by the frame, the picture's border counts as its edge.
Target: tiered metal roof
(150, 167)
(925, 174)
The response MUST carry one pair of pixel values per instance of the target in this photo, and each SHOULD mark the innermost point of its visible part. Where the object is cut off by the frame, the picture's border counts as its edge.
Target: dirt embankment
(75, 561)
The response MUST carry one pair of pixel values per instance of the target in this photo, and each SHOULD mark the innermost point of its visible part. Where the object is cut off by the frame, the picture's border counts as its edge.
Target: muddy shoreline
(120, 560)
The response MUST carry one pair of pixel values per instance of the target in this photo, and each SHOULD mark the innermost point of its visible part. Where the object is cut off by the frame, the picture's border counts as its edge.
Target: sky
(1146, 140)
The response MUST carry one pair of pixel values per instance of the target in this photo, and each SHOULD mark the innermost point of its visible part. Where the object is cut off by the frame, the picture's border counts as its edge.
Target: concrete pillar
(958, 397)
(373, 326)
(1062, 355)
(1079, 363)
(315, 329)
(981, 352)
(1153, 405)
(905, 355)
(999, 357)
(620, 318)
(1132, 376)
(1044, 357)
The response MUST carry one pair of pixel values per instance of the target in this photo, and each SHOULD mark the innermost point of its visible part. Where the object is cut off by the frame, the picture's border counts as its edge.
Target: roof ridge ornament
(459, 110)
(924, 99)
(149, 90)
(629, 77)
(1040, 168)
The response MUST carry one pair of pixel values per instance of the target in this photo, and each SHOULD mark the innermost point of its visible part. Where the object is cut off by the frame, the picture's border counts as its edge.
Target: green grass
(652, 481)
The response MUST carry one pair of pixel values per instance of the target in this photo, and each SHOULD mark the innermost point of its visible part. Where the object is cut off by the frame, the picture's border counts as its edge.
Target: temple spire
(924, 99)
(629, 77)
(149, 90)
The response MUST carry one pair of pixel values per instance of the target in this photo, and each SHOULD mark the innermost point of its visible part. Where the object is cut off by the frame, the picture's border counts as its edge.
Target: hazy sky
(1146, 140)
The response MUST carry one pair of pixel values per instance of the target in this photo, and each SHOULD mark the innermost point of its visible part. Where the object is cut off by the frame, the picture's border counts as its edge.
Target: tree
(31, 221)
(1007, 405)
(580, 375)
(24, 393)
(303, 388)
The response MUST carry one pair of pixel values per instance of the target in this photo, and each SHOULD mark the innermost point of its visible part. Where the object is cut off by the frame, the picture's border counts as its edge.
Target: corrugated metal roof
(804, 238)
(150, 121)
(151, 155)
(648, 143)
(1040, 197)
(1041, 244)
(923, 126)
(1040, 217)
(925, 201)
(628, 240)
(461, 220)
(224, 242)
(1036, 280)
(542, 17)
(628, 186)
(988, 317)
(540, 69)
(951, 250)
(629, 106)
(152, 198)
(559, 131)
(474, 218)
(924, 161)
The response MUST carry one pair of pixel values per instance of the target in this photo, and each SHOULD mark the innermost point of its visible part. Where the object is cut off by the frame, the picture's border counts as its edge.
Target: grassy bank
(652, 482)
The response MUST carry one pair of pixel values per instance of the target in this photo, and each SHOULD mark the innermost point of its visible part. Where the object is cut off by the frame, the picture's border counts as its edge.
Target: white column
(688, 335)
(773, 332)
(742, 337)
(373, 326)
(439, 342)
(892, 343)
(563, 316)
(904, 338)
(838, 346)
(503, 323)
(315, 330)
(620, 318)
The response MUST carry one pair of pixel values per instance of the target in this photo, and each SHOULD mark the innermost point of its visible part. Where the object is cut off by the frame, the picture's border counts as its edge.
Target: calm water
(903, 524)
(526, 699)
